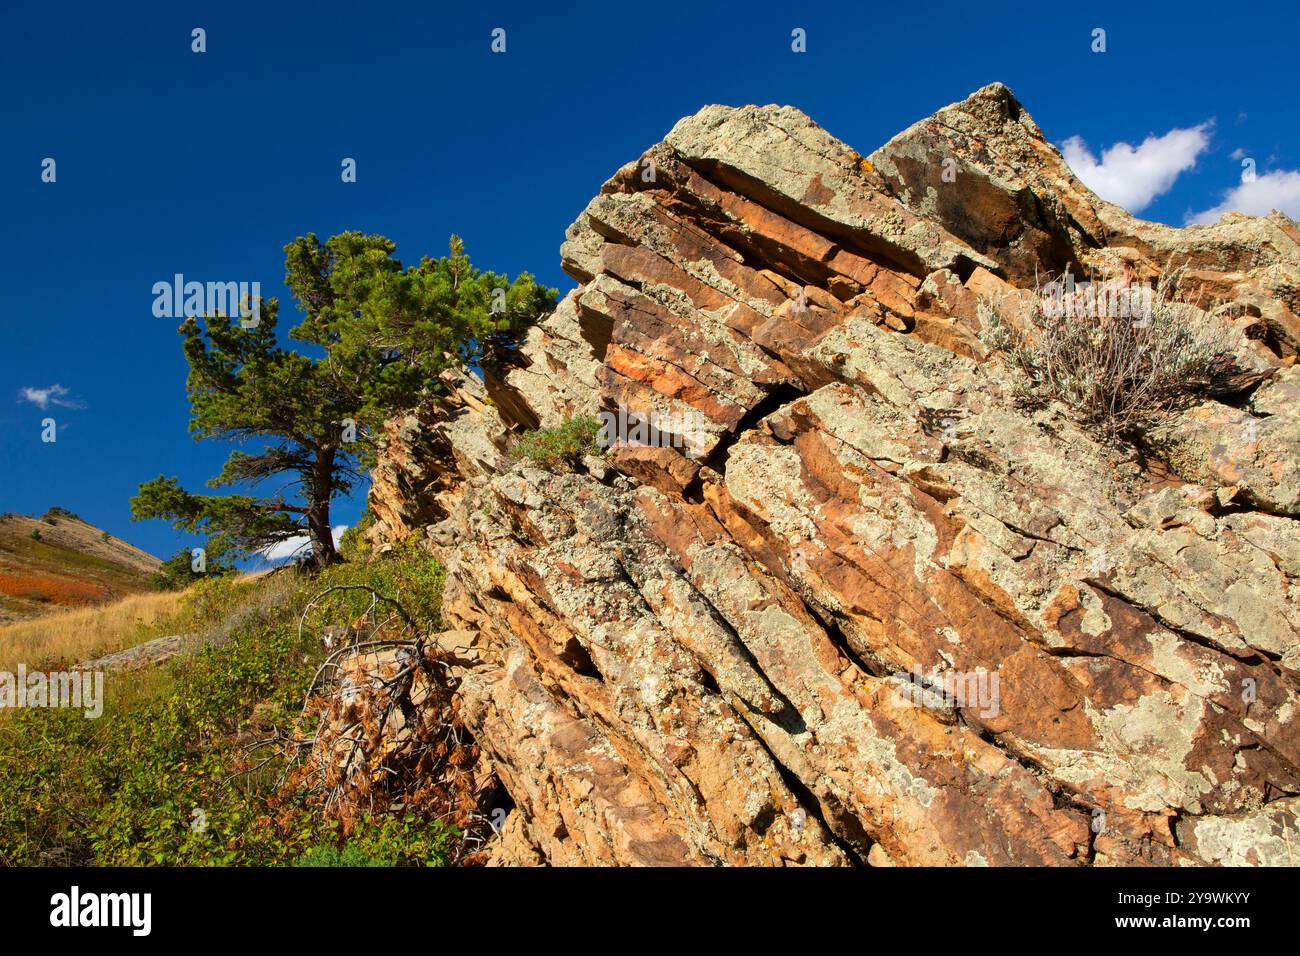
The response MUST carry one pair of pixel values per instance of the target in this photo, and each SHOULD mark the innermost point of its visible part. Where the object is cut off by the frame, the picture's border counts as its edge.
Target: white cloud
(297, 546)
(1279, 189)
(1132, 177)
(43, 398)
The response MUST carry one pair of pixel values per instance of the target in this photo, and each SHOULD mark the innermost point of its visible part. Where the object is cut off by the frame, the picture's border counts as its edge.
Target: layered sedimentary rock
(697, 651)
(1021, 205)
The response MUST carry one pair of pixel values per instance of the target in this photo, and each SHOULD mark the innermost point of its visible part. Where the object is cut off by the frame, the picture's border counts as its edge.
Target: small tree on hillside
(178, 572)
(381, 334)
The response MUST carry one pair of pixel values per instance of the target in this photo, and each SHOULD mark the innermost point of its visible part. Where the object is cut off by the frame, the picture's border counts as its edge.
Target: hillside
(60, 561)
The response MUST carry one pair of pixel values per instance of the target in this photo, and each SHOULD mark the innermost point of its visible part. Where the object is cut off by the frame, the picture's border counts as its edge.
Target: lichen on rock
(702, 657)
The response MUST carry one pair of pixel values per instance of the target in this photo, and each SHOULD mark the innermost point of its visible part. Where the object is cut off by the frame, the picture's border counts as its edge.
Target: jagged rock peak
(696, 651)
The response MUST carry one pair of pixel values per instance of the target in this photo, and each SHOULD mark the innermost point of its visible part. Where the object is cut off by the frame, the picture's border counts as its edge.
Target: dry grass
(70, 637)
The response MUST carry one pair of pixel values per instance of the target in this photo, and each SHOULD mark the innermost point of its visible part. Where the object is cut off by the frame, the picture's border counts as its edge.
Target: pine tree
(381, 333)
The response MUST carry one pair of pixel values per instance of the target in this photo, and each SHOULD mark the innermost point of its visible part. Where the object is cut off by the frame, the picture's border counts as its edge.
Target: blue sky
(207, 164)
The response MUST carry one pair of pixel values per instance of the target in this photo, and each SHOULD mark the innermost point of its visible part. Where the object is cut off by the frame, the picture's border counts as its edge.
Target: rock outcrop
(862, 607)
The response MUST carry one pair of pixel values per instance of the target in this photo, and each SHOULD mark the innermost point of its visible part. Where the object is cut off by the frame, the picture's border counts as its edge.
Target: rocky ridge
(696, 658)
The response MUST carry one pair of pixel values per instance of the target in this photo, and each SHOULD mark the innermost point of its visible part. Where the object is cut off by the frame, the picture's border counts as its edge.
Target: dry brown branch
(378, 729)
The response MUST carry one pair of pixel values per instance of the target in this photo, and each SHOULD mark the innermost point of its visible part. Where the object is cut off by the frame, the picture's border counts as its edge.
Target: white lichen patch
(1095, 619)
(900, 529)
(846, 725)
(767, 479)
(1262, 839)
(670, 297)
(1285, 713)
(1157, 734)
(707, 272)
(1204, 677)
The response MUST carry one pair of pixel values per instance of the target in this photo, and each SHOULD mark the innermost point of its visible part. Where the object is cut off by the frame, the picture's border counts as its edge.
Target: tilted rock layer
(692, 654)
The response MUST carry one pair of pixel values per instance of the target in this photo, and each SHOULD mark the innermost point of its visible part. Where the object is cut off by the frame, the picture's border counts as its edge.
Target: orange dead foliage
(53, 589)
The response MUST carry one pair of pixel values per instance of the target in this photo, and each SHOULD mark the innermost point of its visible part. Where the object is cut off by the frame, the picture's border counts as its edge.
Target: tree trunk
(323, 552)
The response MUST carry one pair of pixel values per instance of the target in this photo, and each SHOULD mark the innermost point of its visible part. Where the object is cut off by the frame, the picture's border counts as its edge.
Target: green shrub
(387, 841)
(353, 545)
(36, 534)
(564, 444)
(329, 855)
(407, 574)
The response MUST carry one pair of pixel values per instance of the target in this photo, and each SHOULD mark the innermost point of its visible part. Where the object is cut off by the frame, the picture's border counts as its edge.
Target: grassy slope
(71, 565)
(82, 634)
(123, 789)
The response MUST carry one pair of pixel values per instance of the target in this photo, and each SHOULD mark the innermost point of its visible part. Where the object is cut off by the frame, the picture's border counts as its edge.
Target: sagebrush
(1119, 373)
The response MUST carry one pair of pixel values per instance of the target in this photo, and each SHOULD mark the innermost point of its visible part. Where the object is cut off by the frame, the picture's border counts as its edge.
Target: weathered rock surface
(157, 651)
(427, 455)
(693, 654)
(1015, 200)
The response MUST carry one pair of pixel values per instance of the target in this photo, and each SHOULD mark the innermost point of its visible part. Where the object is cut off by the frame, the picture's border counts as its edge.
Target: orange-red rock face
(700, 653)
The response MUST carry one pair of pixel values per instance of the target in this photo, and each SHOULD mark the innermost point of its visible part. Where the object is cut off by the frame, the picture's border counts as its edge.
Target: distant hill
(59, 561)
